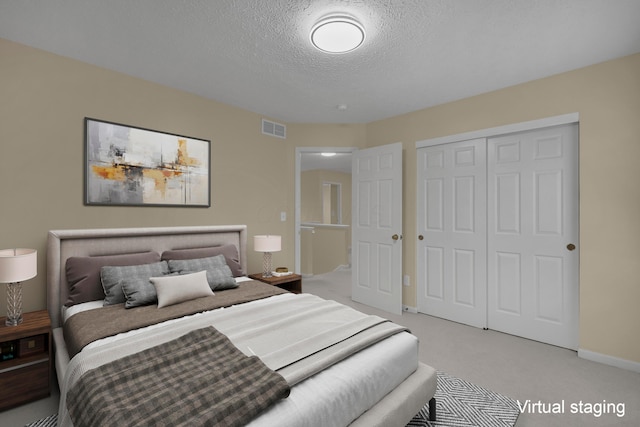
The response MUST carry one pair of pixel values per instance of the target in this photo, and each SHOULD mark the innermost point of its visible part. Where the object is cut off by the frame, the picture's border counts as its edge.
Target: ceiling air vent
(274, 129)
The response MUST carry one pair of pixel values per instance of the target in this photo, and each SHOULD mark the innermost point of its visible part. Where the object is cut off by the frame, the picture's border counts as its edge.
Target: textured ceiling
(256, 54)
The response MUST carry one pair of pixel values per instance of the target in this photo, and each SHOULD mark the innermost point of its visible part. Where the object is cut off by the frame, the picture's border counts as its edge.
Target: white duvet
(333, 397)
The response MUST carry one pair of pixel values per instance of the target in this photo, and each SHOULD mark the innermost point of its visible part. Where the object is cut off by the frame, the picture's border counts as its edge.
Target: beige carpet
(516, 367)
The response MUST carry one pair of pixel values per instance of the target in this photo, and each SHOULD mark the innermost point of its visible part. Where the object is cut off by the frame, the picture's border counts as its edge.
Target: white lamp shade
(267, 243)
(17, 265)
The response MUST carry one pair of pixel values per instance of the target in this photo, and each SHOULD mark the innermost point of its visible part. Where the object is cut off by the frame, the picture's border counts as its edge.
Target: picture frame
(133, 166)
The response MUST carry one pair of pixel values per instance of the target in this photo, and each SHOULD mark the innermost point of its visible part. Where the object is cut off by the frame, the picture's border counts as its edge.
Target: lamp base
(14, 304)
(266, 265)
(13, 321)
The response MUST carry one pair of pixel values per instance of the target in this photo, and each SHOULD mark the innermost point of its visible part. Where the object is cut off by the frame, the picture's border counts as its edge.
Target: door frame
(298, 196)
(564, 119)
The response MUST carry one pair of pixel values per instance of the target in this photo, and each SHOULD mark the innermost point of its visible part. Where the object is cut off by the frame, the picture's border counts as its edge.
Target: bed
(364, 373)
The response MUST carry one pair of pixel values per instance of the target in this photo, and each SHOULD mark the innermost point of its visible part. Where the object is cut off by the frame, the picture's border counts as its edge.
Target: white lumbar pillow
(174, 289)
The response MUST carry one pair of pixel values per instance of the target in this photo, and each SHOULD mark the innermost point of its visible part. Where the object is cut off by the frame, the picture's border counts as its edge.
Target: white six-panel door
(452, 232)
(377, 227)
(533, 235)
(499, 231)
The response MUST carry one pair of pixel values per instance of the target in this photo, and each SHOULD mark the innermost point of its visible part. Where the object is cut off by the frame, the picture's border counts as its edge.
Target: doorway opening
(323, 210)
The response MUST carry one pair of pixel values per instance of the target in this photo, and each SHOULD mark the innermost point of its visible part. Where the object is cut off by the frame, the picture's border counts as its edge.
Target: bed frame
(397, 408)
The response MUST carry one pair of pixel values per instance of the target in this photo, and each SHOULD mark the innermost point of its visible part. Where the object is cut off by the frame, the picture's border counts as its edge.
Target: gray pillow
(230, 253)
(113, 276)
(138, 291)
(83, 273)
(219, 274)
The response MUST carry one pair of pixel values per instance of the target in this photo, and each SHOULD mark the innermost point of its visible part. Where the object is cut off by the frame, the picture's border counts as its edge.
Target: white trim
(609, 360)
(409, 309)
(298, 201)
(321, 225)
(502, 130)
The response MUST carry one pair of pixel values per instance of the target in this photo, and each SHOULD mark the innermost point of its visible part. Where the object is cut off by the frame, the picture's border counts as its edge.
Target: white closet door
(451, 251)
(533, 235)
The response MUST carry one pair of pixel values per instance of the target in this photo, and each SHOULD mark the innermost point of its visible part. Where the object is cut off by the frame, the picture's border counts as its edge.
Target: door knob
(571, 246)
(395, 237)
(420, 237)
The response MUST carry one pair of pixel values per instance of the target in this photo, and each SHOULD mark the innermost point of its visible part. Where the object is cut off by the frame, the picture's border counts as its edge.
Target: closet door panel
(532, 216)
(498, 218)
(452, 222)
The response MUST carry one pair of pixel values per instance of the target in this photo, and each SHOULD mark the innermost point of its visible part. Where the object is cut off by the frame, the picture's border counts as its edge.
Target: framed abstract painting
(132, 166)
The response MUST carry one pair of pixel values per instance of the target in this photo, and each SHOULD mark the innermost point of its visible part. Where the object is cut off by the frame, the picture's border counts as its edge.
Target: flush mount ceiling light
(328, 154)
(337, 34)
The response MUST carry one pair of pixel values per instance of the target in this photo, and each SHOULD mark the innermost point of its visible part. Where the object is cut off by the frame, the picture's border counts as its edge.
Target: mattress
(326, 398)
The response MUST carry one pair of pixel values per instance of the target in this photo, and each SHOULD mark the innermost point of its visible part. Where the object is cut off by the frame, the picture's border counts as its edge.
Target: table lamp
(16, 265)
(267, 244)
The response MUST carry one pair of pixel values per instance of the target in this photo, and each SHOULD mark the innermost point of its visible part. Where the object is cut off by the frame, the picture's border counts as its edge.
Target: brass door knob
(420, 237)
(571, 246)
(395, 237)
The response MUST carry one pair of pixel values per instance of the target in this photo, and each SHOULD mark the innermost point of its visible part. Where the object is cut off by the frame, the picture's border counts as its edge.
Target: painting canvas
(131, 166)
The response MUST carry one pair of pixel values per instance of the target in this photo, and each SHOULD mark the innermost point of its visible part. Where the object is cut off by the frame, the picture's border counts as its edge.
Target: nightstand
(290, 282)
(25, 359)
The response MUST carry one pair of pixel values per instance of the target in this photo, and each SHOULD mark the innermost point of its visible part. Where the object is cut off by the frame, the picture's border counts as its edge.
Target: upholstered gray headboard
(63, 244)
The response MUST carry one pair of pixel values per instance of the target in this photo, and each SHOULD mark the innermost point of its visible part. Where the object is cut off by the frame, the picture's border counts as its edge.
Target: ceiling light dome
(337, 34)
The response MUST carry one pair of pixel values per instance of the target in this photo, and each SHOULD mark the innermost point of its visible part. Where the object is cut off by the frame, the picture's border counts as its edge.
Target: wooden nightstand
(290, 282)
(25, 360)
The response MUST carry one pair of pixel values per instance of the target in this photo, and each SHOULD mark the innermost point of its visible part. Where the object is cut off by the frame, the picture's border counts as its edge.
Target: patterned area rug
(458, 404)
(50, 421)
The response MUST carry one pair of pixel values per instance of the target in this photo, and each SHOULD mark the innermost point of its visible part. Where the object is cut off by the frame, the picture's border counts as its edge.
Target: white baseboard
(407, 309)
(609, 360)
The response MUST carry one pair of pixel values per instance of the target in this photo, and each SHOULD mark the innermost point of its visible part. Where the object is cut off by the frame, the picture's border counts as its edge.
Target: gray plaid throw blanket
(199, 379)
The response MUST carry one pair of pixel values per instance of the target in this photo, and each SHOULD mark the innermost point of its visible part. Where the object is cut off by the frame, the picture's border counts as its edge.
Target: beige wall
(311, 194)
(607, 97)
(323, 249)
(44, 99)
(327, 247)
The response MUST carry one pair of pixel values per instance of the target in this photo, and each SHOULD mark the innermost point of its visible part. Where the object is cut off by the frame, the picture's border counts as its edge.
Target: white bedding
(323, 399)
